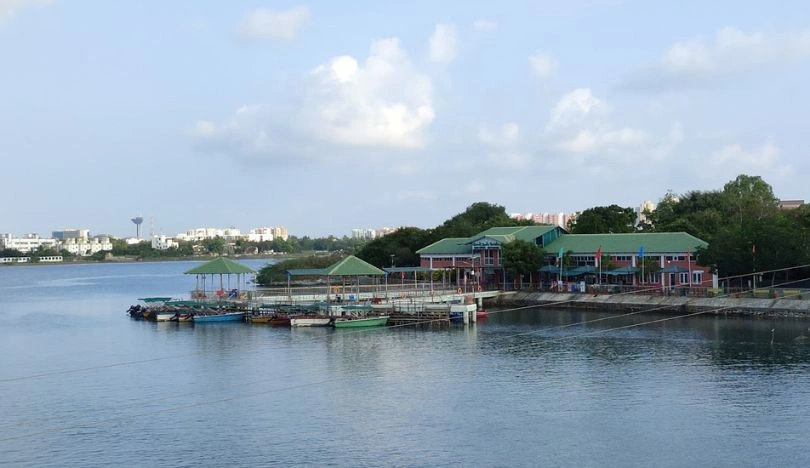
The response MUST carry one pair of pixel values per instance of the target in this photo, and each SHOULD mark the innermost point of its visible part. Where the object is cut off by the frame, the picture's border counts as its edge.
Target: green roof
(524, 233)
(502, 235)
(653, 243)
(220, 265)
(449, 246)
(352, 266)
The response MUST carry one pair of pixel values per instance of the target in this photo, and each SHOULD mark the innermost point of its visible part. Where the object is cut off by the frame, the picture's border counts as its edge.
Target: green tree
(277, 273)
(603, 220)
(522, 257)
(700, 214)
(402, 244)
(215, 245)
(477, 217)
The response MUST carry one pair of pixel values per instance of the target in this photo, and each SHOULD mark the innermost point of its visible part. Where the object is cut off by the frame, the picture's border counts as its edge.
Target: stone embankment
(680, 305)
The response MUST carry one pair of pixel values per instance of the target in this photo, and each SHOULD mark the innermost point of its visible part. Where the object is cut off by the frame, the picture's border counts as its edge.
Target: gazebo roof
(220, 266)
(352, 266)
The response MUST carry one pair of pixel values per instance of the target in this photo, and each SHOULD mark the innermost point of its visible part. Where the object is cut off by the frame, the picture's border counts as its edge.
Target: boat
(184, 317)
(258, 318)
(219, 317)
(481, 314)
(149, 308)
(359, 322)
(165, 315)
(280, 320)
(311, 321)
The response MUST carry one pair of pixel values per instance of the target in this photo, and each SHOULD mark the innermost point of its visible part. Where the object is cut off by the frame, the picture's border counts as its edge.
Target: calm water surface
(83, 385)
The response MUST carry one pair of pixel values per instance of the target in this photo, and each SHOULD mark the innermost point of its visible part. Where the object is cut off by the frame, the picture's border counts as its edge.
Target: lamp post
(392, 260)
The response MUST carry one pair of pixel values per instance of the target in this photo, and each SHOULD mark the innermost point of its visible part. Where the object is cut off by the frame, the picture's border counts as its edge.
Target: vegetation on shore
(745, 228)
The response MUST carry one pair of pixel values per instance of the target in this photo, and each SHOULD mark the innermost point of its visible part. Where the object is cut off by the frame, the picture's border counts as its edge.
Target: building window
(684, 278)
(697, 277)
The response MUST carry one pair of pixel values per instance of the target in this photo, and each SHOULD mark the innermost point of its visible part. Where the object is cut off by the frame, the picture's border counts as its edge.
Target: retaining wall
(787, 308)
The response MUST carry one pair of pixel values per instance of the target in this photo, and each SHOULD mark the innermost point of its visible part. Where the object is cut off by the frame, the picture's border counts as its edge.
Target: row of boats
(165, 309)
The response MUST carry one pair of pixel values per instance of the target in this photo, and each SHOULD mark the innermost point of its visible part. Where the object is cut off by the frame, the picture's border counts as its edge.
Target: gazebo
(224, 267)
(350, 266)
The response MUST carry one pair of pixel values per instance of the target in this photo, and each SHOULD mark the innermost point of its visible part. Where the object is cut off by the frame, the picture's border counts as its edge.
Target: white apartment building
(65, 234)
(362, 233)
(232, 234)
(560, 219)
(87, 246)
(77, 242)
(27, 243)
(647, 206)
(261, 234)
(163, 243)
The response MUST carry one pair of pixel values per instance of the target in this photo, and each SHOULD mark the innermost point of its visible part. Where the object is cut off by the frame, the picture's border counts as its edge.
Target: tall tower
(138, 220)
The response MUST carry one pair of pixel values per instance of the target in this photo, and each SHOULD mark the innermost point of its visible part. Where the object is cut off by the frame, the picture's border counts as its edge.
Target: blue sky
(325, 116)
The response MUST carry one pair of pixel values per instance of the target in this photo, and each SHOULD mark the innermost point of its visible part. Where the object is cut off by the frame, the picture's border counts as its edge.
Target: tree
(521, 257)
(402, 243)
(604, 219)
(277, 273)
(477, 217)
(215, 245)
(700, 214)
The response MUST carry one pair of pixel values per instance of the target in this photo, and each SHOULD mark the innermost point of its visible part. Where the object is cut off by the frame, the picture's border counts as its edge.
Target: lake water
(81, 384)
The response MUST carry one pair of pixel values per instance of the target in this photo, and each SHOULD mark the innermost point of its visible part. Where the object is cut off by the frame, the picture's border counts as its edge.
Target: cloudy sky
(325, 116)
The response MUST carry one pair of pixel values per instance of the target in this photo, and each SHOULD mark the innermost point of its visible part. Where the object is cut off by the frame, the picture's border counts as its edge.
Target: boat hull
(361, 322)
(165, 316)
(226, 317)
(310, 321)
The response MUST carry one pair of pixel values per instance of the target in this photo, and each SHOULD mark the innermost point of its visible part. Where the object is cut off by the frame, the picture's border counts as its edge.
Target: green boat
(359, 322)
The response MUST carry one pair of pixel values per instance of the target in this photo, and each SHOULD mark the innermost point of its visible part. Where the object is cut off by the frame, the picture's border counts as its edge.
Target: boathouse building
(664, 260)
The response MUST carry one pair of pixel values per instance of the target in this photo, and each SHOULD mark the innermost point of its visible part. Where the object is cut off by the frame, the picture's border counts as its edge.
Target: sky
(327, 116)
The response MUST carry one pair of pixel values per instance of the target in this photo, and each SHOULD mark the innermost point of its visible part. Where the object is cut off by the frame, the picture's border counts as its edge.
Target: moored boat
(219, 317)
(311, 321)
(259, 318)
(359, 322)
(165, 315)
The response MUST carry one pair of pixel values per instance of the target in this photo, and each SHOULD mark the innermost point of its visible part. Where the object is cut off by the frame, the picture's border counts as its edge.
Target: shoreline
(81, 261)
(727, 306)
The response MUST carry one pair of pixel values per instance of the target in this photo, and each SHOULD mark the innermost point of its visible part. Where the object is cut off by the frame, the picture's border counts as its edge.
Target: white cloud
(383, 102)
(735, 159)
(504, 145)
(9, 7)
(264, 23)
(542, 65)
(484, 25)
(601, 139)
(575, 106)
(579, 123)
(443, 43)
(505, 137)
(697, 61)
(205, 129)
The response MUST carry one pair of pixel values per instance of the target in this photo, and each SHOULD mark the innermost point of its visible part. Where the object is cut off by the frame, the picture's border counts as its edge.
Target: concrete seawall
(751, 307)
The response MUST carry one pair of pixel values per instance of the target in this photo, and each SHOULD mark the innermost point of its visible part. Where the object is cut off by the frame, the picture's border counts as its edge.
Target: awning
(628, 270)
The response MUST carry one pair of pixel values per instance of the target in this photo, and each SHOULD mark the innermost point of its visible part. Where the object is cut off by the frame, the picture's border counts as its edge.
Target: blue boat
(223, 317)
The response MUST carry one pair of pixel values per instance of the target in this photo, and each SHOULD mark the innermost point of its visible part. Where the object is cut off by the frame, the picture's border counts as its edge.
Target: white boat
(165, 315)
(311, 321)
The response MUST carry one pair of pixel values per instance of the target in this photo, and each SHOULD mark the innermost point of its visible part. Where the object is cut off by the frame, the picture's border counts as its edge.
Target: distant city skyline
(322, 116)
